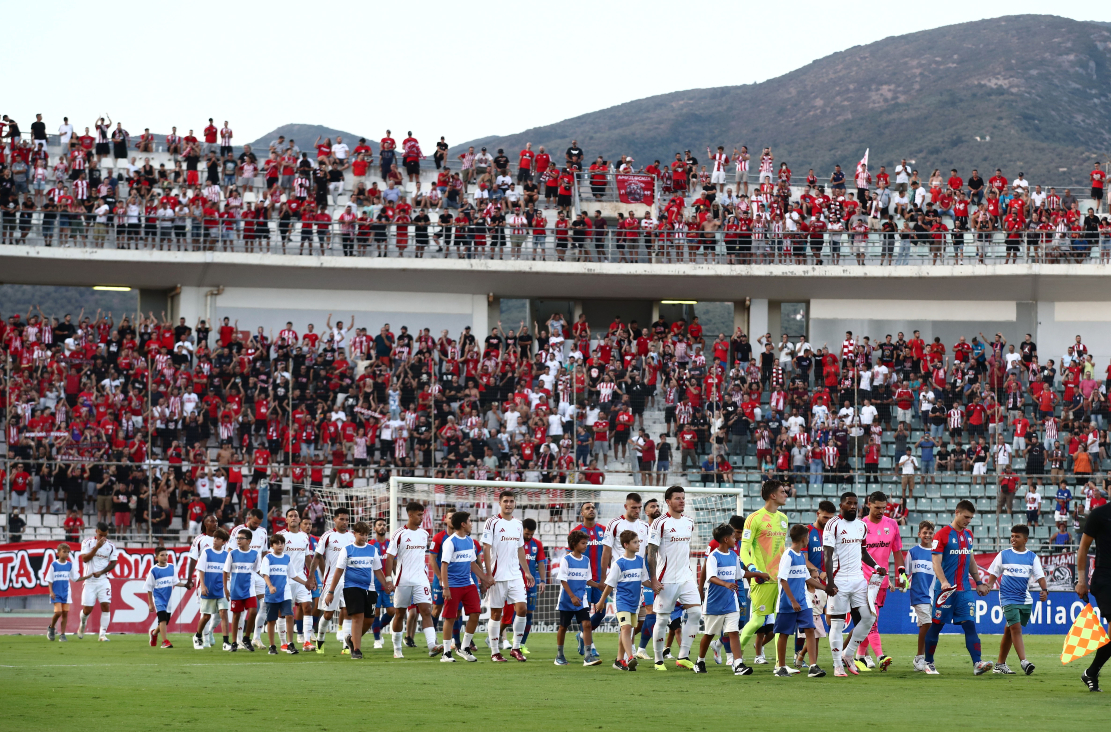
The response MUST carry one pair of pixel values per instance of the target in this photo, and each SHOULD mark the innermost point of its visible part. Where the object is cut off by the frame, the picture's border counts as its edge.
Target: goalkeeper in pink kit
(883, 540)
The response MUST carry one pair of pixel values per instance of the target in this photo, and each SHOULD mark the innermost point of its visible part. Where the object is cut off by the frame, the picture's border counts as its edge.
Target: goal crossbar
(396, 484)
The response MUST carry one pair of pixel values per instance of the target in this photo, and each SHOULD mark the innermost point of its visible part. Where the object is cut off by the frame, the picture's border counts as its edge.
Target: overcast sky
(439, 70)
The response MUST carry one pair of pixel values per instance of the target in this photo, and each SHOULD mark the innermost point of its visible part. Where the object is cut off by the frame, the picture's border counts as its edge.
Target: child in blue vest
(59, 574)
(575, 578)
(161, 582)
(723, 600)
(239, 570)
(279, 595)
(920, 575)
(793, 611)
(1014, 568)
(210, 573)
(627, 576)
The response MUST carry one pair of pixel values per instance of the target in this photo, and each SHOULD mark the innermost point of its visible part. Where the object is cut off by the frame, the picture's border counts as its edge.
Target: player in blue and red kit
(383, 609)
(595, 532)
(816, 557)
(956, 585)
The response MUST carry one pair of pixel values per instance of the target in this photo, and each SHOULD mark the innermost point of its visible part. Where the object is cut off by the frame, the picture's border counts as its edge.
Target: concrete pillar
(493, 313)
(655, 310)
(189, 303)
(757, 319)
(578, 310)
(740, 316)
(775, 316)
(480, 311)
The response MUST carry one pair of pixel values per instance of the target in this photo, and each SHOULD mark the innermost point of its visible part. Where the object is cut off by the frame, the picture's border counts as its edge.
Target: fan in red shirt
(210, 133)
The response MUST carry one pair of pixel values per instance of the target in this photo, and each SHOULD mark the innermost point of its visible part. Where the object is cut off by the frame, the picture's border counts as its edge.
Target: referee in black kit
(1097, 528)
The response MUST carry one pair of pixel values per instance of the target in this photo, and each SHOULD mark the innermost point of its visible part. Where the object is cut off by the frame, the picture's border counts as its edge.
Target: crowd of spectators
(734, 207)
(143, 419)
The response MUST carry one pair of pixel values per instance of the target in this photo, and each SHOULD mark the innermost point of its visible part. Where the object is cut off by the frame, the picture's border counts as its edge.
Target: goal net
(555, 507)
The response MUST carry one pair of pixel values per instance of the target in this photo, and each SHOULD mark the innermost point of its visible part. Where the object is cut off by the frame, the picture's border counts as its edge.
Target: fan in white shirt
(409, 545)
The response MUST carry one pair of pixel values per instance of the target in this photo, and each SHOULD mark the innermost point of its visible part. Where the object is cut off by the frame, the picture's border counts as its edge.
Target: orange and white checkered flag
(1085, 636)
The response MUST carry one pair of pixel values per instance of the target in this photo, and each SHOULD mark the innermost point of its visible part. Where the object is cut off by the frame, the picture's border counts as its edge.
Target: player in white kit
(297, 549)
(328, 549)
(200, 544)
(668, 559)
(843, 547)
(260, 544)
(628, 521)
(409, 548)
(100, 557)
(503, 547)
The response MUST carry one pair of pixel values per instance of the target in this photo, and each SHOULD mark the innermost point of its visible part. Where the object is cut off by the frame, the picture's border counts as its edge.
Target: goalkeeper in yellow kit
(762, 543)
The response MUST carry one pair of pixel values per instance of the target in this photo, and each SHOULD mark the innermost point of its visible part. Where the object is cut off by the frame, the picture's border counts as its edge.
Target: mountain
(1027, 93)
(305, 135)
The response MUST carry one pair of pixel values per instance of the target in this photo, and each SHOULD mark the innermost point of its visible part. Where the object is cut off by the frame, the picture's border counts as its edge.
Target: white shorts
(923, 614)
(506, 592)
(406, 595)
(683, 593)
(718, 177)
(96, 591)
(258, 585)
(980, 468)
(850, 593)
(299, 593)
(337, 600)
(730, 623)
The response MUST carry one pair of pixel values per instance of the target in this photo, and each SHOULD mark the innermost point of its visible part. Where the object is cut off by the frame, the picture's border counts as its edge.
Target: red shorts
(465, 596)
(123, 518)
(762, 455)
(508, 613)
(242, 606)
(191, 178)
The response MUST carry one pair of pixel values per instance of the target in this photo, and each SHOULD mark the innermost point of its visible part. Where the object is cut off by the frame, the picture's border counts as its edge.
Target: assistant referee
(1097, 528)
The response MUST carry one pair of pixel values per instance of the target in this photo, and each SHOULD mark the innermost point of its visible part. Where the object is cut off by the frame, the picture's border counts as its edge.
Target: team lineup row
(757, 567)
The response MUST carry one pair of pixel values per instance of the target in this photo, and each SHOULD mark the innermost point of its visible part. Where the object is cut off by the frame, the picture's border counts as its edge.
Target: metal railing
(361, 239)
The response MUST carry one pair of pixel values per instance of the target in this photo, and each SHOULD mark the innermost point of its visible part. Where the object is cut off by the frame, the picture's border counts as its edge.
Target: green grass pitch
(126, 685)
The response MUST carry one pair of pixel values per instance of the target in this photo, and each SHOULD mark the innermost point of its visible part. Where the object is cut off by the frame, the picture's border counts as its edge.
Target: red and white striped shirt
(829, 456)
(225, 136)
(956, 418)
(81, 189)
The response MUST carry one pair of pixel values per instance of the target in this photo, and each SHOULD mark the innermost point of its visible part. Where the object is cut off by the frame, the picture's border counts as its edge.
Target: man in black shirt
(38, 131)
(976, 188)
(501, 162)
(574, 155)
(1097, 528)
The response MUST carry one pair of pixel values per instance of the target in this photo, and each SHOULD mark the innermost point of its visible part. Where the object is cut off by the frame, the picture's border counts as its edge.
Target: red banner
(636, 188)
(23, 569)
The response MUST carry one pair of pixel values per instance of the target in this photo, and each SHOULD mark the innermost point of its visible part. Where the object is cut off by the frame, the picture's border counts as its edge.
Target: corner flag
(1085, 637)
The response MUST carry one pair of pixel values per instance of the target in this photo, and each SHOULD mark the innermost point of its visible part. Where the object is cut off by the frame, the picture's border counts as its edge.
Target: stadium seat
(933, 492)
(51, 520)
(33, 520)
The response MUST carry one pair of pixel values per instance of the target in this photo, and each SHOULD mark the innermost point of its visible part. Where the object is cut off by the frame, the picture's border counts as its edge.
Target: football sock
(104, 619)
(971, 640)
(799, 644)
(873, 641)
(646, 629)
(1101, 656)
(528, 628)
(690, 631)
(702, 659)
(754, 623)
(346, 628)
(836, 638)
(862, 627)
(596, 619)
(493, 638)
(455, 628)
(519, 624)
(430, 636)
(398, 644)
(932, 636)
(467, 638)
(307, 626)
(376, 626)
(299, 626)
(281, 632)
(659, 634)
(260, 621)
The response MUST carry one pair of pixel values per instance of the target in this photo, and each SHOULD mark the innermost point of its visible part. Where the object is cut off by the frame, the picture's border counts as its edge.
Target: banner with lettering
(635, 188)
(23, 568)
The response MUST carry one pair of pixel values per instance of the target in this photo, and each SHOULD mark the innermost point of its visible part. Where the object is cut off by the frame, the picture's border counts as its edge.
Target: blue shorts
(789, 621)
(385, 599)
(274, 610)
(593, 594)
(959, 607)
(648, 598)
(437, 592)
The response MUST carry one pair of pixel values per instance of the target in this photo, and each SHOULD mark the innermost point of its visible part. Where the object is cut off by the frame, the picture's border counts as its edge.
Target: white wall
(272, 308)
